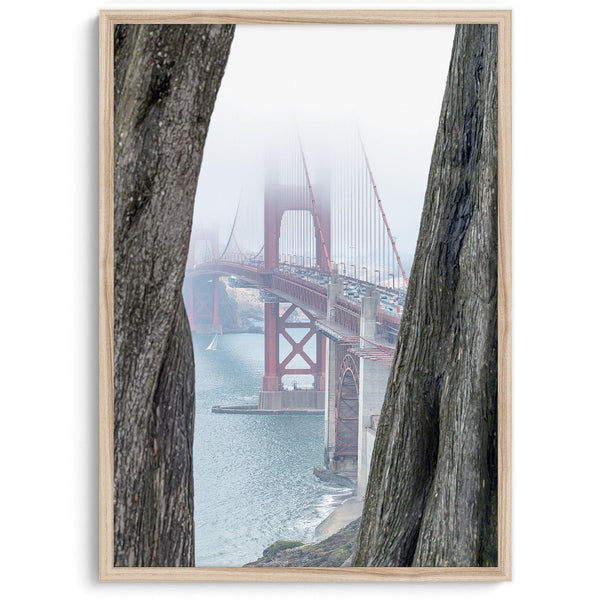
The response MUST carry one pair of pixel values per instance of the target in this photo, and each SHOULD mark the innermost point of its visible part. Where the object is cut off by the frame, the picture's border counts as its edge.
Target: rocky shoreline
(329, 476)
(333, 551)
(336, 539)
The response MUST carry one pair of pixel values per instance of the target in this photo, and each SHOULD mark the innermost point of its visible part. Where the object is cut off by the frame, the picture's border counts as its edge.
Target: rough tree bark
(166, 82)
(431, 498)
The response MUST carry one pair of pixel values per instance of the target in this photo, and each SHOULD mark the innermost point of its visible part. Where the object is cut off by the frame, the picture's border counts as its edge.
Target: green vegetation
(330, 552)
(281, 545)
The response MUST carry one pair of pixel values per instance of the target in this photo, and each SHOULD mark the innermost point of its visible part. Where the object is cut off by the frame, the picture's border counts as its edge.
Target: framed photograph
(305, 295)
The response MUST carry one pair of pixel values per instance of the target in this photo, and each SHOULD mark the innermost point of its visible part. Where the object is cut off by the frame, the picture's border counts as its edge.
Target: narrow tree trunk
(431, 498)
(166, 82)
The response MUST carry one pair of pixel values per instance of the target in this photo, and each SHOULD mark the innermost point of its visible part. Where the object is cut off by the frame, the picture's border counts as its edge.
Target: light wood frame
(107, 571)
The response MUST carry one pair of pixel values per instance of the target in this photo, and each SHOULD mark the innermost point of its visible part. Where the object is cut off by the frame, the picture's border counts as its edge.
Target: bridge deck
(312, 297)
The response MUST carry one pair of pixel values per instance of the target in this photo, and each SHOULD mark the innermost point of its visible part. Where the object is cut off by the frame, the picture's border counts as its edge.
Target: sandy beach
(344, 514)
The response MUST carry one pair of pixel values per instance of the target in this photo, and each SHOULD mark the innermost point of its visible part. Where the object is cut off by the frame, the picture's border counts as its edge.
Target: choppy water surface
(253, 475)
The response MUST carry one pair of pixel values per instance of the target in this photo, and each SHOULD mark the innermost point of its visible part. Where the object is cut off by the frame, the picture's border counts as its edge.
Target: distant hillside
(241, 309)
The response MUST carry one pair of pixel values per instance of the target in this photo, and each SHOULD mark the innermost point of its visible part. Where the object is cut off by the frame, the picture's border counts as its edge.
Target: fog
(323, 83)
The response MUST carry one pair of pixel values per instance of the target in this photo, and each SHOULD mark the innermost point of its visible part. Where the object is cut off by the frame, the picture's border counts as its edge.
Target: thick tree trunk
(166, 82)
(431, 498)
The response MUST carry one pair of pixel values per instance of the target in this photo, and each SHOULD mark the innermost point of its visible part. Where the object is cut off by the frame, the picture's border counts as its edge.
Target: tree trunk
(431, 498)
(166, 82)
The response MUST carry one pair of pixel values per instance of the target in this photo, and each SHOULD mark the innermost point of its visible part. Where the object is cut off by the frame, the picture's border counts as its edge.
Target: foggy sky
(323, 81)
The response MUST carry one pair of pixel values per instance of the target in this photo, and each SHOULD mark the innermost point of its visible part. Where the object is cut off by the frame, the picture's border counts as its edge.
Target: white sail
(213, 343)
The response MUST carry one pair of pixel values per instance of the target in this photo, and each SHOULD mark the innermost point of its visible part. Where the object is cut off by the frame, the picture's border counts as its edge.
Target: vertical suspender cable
(385, 221)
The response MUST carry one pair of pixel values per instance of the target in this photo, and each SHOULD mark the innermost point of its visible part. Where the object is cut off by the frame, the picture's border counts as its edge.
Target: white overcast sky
(386, 79)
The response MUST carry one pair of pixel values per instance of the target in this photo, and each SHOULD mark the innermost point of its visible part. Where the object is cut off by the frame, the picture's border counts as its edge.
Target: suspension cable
(232, 227)
(314, 207)
(389, 232)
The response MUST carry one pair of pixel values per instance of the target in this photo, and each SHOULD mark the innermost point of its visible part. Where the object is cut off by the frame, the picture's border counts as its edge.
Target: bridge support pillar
(334, 289)
(320, 374)
(355, 392)
(216, 316)
(188, 300)
(274, 396)
(368, 315)
(372, 385)
(373, 377)
(332, 369)
(272, 378)
(201, 296)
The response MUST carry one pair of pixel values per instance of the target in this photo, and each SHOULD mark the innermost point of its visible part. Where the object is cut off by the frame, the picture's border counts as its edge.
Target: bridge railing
(388, 324)
(311, 294)
(242, 258)
(251, 272)
(347, 314)
(346, 311)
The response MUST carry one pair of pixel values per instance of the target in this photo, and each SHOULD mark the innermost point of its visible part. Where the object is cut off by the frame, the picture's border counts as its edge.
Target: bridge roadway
(340, 322)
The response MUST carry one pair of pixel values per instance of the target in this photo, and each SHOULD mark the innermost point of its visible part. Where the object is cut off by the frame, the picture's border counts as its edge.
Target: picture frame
(107, 571)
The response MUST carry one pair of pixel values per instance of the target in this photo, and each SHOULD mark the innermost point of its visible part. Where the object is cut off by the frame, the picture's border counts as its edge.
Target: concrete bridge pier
(354, 395)
(334, 288)
(373, 377)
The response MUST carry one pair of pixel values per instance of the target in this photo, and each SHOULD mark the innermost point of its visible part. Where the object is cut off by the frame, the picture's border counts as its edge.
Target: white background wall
(48, 302)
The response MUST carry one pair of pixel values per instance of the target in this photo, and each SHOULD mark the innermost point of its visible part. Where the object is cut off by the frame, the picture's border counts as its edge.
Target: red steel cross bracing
(297, 348)
(202, 302)
(277, 326)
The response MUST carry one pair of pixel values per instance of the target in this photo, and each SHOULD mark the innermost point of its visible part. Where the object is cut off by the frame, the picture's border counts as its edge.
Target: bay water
(253, 474)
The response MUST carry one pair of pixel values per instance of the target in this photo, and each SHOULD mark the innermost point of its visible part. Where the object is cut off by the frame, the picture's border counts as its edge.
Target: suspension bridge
(333, 286)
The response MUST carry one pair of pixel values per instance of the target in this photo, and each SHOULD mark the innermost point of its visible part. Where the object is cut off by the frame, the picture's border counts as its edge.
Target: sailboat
(213, 343)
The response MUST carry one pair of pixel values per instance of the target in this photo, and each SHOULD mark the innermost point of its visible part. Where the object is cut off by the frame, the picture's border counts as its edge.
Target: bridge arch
(346, 413)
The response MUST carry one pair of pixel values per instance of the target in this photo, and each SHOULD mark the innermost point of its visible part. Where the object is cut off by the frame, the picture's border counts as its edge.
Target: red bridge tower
(281, 321)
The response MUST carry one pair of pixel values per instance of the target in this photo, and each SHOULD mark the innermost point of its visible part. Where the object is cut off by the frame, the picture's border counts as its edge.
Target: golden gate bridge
(327, 266)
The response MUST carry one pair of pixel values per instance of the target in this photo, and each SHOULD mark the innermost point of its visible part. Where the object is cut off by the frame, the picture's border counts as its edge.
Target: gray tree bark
(166, 82)
(431, 498)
